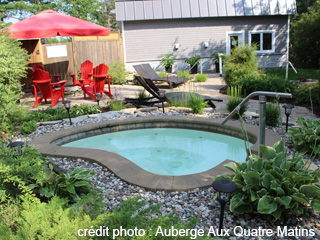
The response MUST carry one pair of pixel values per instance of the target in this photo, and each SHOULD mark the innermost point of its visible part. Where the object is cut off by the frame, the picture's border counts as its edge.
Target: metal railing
(287, 68)
(262, 111)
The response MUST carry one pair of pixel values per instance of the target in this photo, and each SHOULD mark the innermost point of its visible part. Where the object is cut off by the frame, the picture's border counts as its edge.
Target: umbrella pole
(73, 57)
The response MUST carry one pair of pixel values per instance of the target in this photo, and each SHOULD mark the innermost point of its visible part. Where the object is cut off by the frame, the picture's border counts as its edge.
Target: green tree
(23, 9)
(100, 12)
(84, 9)
(13, 66)
(303, 5)
(305, 38)
(107, 16)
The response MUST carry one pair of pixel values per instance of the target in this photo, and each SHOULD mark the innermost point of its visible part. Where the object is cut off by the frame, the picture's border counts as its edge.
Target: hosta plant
(71, 185)
(306, 137)
(276, 185)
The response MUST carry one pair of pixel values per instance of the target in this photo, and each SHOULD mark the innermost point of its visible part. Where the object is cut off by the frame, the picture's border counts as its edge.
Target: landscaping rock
(128, 111)
(148, 109)
(49, 123)
(77, 119)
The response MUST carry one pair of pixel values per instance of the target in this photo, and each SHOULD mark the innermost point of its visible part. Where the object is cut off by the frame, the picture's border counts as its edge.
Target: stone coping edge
(49, 145)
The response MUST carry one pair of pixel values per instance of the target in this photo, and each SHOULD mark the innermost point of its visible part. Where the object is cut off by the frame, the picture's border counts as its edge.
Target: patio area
(209, 88)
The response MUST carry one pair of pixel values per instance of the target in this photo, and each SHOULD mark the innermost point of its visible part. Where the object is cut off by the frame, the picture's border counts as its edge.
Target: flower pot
(194, 69)
(217, 67)
(169, 69)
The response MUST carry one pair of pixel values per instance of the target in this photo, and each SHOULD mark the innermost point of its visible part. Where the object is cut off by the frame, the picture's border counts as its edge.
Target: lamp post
(288, 109)
(225, 188)
(67, 104)
(98, 97)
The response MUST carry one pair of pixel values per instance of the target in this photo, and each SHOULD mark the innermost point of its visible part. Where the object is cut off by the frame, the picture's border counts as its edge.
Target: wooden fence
(97, 51)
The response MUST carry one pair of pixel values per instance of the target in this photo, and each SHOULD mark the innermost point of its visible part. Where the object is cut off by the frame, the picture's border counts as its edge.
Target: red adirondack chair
(42, 80)
(35, 67)
(100, 75)
(86, 74)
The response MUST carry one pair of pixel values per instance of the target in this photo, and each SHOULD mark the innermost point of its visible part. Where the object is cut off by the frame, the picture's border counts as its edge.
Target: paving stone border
(50, 145)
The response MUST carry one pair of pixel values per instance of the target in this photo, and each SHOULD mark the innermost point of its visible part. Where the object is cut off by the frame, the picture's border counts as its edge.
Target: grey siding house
(151, 28)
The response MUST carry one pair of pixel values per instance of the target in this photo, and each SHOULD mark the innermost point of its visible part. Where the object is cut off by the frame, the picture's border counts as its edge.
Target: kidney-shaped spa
(157, 153)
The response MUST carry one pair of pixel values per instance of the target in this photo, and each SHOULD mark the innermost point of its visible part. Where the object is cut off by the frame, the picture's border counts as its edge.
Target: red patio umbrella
(51, 23)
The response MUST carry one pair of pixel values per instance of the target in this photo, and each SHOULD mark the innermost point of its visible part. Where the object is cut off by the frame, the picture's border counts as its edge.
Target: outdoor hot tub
(185, 165)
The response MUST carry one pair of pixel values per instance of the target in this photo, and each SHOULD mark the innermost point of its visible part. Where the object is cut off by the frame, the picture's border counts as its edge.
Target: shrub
(196, 103)
(167, 60)
(134, 212)
(201, 77)
(242, 63)
(303, 53)
(52, 114)
(184, 74)
(71, 185)
(118, 73)
(52, 220)
(306, 137)
(274, 186)
(301, 96)
(12, 114)
(13, 66)
(28, 127)
(234, 100)
(162, 74)
(57, 220)
(272, 115)
(22, 170)
(270, 83)
(116, 105)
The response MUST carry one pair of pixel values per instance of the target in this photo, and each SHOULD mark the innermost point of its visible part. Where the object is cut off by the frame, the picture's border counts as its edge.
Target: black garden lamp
(17, 145)
(288, 109)
(225, 188)
(98, 97)
(67, 105)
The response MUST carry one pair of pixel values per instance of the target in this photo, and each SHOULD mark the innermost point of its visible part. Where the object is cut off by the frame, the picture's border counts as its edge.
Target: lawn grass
(306, 73)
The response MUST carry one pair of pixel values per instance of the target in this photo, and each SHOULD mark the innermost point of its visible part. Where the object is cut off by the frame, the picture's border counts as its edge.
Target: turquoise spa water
(169, 151)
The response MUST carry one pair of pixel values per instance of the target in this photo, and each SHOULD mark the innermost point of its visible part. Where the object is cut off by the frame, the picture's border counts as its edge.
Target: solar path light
(288, 109)
(67, 105)
(98, 97)
(225, 188)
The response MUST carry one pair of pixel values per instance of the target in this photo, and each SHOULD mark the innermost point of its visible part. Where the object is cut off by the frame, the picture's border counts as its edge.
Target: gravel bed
(197, 202)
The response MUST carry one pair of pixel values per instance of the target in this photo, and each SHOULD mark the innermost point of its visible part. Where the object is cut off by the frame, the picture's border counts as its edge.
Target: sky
(12, 20)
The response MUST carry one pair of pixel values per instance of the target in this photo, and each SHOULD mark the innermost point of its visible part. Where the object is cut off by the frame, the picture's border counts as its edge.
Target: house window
(264, 40)
(233, 39)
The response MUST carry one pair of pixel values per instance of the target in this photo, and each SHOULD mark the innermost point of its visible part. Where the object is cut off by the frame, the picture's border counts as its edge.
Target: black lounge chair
(153, 90)
(162, 97)
(146, 71)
